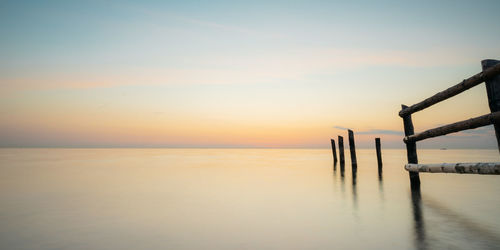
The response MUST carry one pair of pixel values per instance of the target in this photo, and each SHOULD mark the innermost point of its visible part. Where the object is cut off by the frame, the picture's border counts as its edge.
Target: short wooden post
(493, 92)
(411, 150)
(334, 151)
(352, 148)
(379, 153)
(341, 151)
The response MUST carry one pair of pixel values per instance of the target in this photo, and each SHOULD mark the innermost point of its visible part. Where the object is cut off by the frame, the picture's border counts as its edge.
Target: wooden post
(341, 151)
(493, 92)
(411, 150)
(334, 151)
(379, 153)
(352, 148)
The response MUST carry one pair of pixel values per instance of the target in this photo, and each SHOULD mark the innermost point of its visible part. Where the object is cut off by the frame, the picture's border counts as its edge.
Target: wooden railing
(491, 76)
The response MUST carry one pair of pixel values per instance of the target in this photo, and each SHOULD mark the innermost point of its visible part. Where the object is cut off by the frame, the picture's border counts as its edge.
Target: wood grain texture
(492, 168)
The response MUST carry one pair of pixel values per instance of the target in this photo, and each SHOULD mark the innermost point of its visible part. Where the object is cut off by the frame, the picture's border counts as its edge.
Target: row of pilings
(352, 150)
(419, 227)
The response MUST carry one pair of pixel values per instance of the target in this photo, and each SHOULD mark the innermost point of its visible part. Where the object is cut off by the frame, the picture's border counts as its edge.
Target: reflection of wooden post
(411, 150)
(379, 153)
(341, 151)
(352, 148)
(419, 226)
(493, 92)
(334, 151)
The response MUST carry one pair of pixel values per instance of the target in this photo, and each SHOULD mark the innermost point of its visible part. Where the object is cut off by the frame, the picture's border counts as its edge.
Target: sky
(239, 73)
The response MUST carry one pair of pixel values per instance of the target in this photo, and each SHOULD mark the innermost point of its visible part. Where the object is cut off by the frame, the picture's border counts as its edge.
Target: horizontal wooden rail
(459, 168)
(452, 91)
(455, 127)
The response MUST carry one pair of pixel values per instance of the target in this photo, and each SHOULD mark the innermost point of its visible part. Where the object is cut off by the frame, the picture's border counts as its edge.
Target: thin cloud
(466, 133)
(159, 19)
(458, 136)
(480, 131)
(373, 131)
(220, 68)
(219, 26)
(381, 132)
(340, 127)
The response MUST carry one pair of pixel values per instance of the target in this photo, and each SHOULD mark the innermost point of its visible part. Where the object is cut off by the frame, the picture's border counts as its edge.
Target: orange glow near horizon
(240, 75)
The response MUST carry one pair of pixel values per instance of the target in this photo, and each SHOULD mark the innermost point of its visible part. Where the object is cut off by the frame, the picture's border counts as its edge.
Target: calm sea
(241, 199)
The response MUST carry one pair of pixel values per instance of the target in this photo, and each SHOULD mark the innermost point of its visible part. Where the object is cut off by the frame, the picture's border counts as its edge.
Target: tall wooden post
(493, 92)
(341, 151)
(352, 148)
(379, 153)
(411, 150)
(334, 151)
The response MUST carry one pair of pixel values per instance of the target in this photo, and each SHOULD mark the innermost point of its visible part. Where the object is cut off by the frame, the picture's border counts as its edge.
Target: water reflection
(354, 188)
(419, 226)
(441, 228)
(164, 198)
(354, 176)
(342, 169)
(462, 223)
(381, 184)
(342, 176)
(379, 163)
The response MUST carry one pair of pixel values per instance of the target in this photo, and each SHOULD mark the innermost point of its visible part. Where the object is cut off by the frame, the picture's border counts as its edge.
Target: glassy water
(241, 199)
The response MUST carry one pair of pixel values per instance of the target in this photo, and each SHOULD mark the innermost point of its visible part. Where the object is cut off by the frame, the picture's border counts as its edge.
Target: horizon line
(217, 147)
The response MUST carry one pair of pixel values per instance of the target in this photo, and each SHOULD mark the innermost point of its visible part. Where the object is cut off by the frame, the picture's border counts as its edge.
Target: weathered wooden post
(379, 153)
(493, 92)
(334, 151)
(411, 150)
(341, 151)
(352, 148)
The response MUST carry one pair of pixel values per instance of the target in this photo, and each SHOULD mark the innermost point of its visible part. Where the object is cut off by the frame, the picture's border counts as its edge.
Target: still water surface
(241, 199)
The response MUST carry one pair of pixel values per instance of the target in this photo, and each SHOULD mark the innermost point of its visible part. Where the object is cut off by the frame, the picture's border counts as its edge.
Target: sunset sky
(247, 74)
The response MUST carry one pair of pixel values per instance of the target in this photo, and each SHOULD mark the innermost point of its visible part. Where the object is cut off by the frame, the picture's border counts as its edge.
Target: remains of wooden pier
(352, 150)
(491, 76)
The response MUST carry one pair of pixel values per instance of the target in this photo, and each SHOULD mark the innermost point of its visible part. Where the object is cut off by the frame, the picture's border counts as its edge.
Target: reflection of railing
(491, 76)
